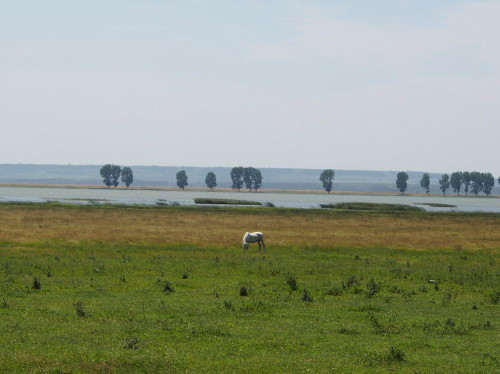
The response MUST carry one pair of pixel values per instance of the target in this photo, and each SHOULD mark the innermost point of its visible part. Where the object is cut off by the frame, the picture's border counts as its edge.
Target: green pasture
(90, 307)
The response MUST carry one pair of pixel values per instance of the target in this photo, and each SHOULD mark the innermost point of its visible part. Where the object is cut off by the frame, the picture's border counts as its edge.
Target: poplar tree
(488, 183)
(444, 183)
(182, 179)
(425, 182)
(456, 181)
(237, 177)
(211, 180)
(127, 176)
(401, 182)
(326, 178)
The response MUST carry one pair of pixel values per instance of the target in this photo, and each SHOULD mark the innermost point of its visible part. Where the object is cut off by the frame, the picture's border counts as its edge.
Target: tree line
(251, 178)
(474, 181)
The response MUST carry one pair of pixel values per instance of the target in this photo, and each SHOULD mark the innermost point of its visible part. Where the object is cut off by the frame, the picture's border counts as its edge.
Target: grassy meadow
(122, 289)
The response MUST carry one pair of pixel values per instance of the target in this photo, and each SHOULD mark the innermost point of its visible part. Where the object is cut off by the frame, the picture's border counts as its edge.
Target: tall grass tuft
(228, 304)
(395, 355)
(132, 343)
(80, 309)
(37, 285)
(291, 280)
(495, 297)
(168, 287)
(307, 297)
(372, 287)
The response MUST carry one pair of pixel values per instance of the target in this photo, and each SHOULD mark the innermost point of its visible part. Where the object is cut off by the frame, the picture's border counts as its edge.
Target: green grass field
(99, 306)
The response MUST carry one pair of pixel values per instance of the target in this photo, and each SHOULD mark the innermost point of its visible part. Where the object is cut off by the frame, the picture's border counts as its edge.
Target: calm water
(291, 200)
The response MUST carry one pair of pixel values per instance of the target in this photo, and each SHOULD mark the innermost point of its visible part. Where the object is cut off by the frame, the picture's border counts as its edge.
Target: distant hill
(165, 176)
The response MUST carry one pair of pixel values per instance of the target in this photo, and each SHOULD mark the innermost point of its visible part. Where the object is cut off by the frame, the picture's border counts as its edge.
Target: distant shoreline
(264, 190)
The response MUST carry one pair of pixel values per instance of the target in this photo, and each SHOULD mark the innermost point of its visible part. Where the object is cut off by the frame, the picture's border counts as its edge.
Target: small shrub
(495, 297)
(132, 343)
(228, 304)
(291, 280)
(372, 287)
(122, 279)
(185, 275)
(80, 309)
(307, 297)
(350, 282)
(375, 322)
(168, 288)
(243, 291)
(49, 274)
(4, 303)
(395, 355)
(36, 284)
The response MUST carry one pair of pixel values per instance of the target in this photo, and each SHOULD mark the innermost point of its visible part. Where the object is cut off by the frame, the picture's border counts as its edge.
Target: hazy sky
(368, 84)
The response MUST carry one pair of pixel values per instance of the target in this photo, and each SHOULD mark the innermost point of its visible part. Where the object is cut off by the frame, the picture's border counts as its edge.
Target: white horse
(253, 237)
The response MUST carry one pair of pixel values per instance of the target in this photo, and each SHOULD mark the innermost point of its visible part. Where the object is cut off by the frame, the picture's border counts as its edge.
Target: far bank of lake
(288, 199)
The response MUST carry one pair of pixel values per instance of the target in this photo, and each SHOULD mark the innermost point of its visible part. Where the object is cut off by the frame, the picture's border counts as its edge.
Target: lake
(289, 200)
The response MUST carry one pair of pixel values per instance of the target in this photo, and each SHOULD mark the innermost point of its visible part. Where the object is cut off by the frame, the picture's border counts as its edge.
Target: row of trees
(474, 182)
(241, 176)
(251, 179)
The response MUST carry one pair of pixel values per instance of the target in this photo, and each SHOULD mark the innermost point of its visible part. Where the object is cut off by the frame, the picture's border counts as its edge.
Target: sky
(394, 85)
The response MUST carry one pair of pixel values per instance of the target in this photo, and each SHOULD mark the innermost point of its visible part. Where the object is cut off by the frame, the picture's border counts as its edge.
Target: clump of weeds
(228, 304)
(352, 281)
(132, 343)
(307, 297)
(80, 309)
(395, 355)
(495, 297)
(168, 287)
(37, 285)
(372, 287)
(291, 280)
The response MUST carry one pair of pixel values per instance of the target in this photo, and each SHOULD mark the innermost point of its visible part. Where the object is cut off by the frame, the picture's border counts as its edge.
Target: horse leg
(259, 243)
(264, 244)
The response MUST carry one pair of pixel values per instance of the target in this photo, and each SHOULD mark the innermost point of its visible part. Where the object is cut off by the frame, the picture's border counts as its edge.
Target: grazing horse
(253, 237)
